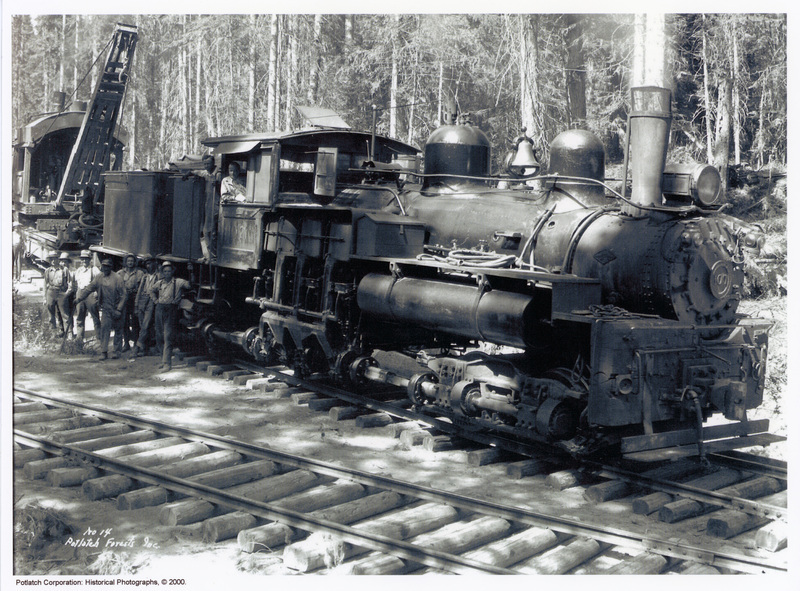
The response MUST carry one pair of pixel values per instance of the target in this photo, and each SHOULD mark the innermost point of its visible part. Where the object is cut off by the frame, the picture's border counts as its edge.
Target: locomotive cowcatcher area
(48, 517)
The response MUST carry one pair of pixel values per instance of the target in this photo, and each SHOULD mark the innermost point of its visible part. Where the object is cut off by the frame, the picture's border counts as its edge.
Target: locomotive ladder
(92, 147)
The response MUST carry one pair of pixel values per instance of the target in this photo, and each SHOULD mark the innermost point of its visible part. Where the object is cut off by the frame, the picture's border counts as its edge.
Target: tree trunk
(132, 107)
(348, 29)
(649, 60)
(183, 80)
(393, 91)
(251, 78)
(723, 140)
(759, 144)
(411, 109)
(576, 72)
(291, 72)
(707, 96)
(76, 58)
(198, 91)
(272, 71)
(316, 58)
(276, 125)
(63, 55)
(737, 127)
(530, 112)
(440, 97)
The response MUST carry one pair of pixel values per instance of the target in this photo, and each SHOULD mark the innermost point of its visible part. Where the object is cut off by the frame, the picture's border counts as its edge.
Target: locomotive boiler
(546, 307)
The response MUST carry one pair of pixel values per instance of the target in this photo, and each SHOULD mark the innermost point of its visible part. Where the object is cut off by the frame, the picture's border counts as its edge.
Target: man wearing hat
(51, 292)
(145, 305)
(64, 284)
(167, 294)
(110, 291)
(131, 276)
(83, 277)
(18, 249)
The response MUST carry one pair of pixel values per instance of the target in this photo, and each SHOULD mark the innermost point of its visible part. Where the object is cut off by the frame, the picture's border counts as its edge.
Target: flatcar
(543, 307)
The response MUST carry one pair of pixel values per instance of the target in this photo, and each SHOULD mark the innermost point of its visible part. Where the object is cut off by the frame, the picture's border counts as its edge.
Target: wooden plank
(710, 447)
(243, 378)
(524, 468)
(226, 526)
(655, 501)
(373, 420)
(265, 537)
(23, 456)
(563, 558)
(645, 563)
(689, 436)
(615, 489)
(685, 508)
(564, 479)
(235, 373)
(773, 537)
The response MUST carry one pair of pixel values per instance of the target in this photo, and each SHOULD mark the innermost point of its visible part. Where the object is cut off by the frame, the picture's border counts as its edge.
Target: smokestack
(648, 139)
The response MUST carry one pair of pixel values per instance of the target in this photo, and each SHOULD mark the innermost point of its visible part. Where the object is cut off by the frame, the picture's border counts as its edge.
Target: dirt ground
(47, 519)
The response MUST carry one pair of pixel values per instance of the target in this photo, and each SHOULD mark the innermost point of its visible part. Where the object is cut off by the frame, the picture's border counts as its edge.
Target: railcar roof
(246, 142)
(52, 122)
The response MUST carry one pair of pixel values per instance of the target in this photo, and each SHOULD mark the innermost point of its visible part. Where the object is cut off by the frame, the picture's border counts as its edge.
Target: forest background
(196, 76)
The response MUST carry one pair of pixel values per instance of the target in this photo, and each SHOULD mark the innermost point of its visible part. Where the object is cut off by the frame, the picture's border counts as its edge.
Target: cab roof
(238, 144)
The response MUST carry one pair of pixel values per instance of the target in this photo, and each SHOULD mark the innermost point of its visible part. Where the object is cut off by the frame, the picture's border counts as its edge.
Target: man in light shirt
(167, 294)
(63, 282)
(110, 291)
(51, 293)
(83, 277)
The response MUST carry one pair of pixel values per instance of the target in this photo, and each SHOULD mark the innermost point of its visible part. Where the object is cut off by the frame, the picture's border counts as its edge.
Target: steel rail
(525, 516)
(697, 494)
(753, 463)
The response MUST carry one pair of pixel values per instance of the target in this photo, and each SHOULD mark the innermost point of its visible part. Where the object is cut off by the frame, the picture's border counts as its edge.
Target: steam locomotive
(602, 318)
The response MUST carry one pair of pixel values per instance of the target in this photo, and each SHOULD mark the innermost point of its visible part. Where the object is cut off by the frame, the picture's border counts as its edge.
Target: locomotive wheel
(461, 398)
(358, 367)
(557, 419)
(342, 367)
(414, 387)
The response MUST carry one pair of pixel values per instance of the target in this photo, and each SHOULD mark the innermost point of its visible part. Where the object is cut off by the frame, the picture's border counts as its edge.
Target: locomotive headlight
(699, 183)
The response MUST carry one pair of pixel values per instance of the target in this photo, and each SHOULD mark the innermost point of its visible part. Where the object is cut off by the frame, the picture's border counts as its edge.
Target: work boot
(103, 356)
(167, 367)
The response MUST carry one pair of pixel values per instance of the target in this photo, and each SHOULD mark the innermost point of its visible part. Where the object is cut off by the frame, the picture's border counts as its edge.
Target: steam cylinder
(464, 310)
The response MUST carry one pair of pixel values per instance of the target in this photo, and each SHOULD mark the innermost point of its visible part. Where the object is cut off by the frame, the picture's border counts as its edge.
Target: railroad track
(323, 396)
(265, 497)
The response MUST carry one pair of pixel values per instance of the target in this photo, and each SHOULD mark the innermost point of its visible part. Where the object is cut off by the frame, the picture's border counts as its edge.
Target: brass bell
(525, 157)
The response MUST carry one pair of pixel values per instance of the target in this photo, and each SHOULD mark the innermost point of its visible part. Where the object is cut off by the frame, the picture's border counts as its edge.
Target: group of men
(132, 303)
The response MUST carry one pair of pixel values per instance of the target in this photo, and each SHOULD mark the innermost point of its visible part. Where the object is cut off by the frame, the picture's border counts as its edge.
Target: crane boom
(93, 145)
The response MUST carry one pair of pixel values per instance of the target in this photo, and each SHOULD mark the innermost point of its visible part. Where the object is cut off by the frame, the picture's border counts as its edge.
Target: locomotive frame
(617, 315)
